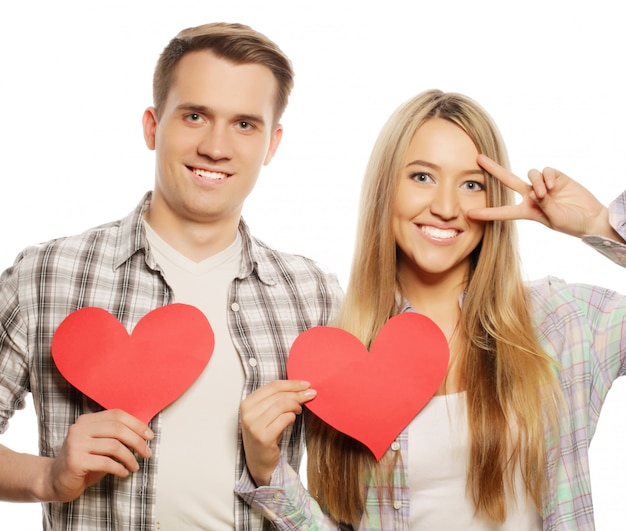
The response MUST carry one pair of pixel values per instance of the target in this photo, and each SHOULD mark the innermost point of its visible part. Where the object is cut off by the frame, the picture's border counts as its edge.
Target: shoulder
(273, 265)
(54, 270)
(559, 305)
(112, 242)
(291, 268)
(553, 292)
(297, 263)
(290, 279)
(66, 248)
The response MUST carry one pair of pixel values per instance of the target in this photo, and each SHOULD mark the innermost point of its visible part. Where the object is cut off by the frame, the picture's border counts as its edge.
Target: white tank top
(438, 457)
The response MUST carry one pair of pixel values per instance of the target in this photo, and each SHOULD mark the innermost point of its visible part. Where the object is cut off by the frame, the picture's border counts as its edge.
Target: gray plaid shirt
(275, 297)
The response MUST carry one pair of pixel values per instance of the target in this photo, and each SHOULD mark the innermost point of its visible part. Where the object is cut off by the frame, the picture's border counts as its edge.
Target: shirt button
(277, 496)
(253, 362)
(395, 446)
(607, 243)
(397, 505)
(234, 307)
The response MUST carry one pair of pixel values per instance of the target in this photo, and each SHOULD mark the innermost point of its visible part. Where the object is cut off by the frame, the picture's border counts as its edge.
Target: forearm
(23, 477)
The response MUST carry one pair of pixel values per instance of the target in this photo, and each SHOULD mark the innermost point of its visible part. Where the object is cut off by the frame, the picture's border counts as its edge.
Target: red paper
(371, 396)
(140, 373)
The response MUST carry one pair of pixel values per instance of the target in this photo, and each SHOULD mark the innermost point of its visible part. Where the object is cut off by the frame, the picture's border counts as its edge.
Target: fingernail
(310, 393)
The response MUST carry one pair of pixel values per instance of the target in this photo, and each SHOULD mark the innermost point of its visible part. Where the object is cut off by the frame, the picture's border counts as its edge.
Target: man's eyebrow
(193, 107)
(256, 118)
(477, 171)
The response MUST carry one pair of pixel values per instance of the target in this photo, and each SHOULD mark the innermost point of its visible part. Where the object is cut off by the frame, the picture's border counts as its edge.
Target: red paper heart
(140, 373)
(371, 396)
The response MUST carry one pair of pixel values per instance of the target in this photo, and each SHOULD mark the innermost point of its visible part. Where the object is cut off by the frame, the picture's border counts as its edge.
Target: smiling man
(214, 131)
(219, 93)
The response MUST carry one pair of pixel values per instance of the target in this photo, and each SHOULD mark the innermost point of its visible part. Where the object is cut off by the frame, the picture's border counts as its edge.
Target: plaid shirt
(582, 327)
(275, 297)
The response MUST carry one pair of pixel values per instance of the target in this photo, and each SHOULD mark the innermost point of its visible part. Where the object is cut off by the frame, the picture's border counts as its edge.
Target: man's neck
(196, 241)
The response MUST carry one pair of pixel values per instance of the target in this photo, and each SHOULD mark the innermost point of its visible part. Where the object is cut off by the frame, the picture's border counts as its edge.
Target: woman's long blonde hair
(502, 367)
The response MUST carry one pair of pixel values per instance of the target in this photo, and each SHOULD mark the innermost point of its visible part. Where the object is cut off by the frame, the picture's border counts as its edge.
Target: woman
(503, 443)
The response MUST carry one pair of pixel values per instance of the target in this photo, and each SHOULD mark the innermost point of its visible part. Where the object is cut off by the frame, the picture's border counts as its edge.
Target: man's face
(215, 132)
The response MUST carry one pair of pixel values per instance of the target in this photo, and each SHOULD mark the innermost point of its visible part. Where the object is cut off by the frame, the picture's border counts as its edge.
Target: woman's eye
(473, 185)
(421, 177)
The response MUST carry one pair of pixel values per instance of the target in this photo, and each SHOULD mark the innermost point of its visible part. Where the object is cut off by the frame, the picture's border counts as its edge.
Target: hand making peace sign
(551, 198)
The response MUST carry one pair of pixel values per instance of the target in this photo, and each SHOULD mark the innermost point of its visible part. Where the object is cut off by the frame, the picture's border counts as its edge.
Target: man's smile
(209, 175)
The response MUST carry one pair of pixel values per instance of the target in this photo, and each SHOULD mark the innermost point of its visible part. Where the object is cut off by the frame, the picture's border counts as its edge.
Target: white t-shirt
(438, 458)
(197, 452)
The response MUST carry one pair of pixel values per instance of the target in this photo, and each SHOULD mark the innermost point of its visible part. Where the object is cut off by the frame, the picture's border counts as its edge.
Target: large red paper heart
(371, 396)
(140, 373)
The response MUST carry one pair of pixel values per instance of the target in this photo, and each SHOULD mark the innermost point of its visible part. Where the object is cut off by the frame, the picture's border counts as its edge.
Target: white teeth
(442, 234)
(209, 174)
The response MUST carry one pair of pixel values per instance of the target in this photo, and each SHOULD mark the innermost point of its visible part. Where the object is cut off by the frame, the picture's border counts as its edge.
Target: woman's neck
(441, 302)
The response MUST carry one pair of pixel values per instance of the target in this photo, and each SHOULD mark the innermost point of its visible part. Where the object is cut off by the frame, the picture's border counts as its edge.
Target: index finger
(503, 175)
(122, 417)
(277, 386)
(119, 425)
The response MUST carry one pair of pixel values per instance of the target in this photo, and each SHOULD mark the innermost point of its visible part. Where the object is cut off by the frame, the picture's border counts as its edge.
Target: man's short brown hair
(237, 43)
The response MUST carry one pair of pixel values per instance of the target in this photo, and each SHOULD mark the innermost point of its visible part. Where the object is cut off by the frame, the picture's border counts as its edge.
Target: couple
(503, 443)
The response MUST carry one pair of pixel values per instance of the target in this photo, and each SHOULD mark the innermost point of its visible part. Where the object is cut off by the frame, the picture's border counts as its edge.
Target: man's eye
(194, 118)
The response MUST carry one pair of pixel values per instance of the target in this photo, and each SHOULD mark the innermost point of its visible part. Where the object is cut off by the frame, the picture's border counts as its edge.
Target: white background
(76, 77)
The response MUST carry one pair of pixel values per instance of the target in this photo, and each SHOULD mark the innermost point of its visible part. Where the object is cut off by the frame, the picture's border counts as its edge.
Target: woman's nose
(445, 203)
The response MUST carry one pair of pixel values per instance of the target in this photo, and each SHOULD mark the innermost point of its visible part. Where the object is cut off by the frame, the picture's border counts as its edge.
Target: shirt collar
(403, 305)
(255, 257)
(132, 239)
(131, 236)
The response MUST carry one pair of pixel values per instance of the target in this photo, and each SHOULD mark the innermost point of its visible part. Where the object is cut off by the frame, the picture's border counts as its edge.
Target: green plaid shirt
(582, 327)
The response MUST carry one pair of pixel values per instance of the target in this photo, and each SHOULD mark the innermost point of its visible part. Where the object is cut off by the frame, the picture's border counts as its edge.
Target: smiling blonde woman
(503, 443)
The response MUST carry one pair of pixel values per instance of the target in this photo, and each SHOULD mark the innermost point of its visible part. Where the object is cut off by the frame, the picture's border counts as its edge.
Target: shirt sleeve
(605, 309)
(285, 502)
(615, 251)
(14, 373)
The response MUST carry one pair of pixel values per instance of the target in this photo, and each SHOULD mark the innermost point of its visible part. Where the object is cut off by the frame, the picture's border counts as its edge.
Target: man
(219, 93)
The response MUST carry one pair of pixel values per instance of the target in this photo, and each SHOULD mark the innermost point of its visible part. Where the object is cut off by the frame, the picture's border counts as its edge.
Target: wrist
(24, 477)
(601, 227)
(42, 483)
(261, 478)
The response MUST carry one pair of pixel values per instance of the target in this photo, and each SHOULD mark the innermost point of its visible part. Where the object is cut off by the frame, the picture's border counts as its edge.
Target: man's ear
(149, 122)
(274, 142)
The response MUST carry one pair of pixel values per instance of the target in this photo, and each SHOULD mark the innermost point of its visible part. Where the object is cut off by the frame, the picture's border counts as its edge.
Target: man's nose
(215, 142)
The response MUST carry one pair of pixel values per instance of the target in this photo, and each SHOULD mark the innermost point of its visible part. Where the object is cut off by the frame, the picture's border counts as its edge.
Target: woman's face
(439, 182)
